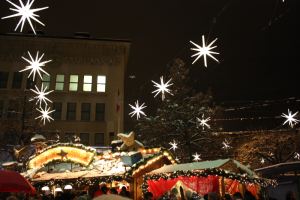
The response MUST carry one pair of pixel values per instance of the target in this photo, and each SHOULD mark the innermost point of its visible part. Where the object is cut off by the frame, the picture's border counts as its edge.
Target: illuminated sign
(62, 153)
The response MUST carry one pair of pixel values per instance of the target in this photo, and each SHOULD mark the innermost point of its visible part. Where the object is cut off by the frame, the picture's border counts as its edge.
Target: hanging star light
(226, 145)
(25, 12)
(262, 160)
(290, 118)
(41, 95)
(297, 156)
(45, 114)
(162, 88)
(203, 122)
(174, 145)
(204, 51)
(137, 109)
(35, 65)
(196, 157)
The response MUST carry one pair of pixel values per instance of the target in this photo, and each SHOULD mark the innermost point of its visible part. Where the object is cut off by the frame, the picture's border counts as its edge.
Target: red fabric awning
(11, 181)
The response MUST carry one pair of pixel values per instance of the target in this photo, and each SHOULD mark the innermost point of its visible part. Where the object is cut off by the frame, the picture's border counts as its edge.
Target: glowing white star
(41, 95)
(204, 51)
(262, 160)
(35, 65)
(174, 145)
(137, 109)
(45, 114)
(226, 145)
(290, 118)
(25, 12)
(203, 122)
(162, 87)
(196, 157)
(297, 156)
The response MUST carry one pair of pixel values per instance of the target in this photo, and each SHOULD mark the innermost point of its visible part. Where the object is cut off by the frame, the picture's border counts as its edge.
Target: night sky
(258, 40)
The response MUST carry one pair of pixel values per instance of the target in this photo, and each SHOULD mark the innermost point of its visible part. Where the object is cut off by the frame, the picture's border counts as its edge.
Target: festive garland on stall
(243, 178)
(144, 162)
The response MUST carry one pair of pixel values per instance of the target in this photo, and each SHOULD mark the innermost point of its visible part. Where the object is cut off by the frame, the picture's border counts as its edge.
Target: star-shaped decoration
(203, 122)
(41, 95)
(226, 145)
(204, 51)
(35, 65)
(262, 160)
(137, 109)
(128, 139)
(290, 118)
(45, 114)
(196, 157)
(26, 13)
(162, 87)
(297, 156)
(62, 154)
(177, 159)
(174, 145)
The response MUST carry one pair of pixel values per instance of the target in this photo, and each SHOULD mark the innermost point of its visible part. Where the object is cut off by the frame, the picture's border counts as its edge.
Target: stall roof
(225, 164)
(279, 168)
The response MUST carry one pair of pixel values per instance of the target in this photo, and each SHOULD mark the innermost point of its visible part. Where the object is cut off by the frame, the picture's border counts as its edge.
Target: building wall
(71, 56)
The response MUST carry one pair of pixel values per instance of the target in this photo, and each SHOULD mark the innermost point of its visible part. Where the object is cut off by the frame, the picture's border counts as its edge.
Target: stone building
(87, 76)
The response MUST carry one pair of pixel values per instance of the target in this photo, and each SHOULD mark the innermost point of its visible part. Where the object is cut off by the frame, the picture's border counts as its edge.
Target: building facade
(86, 76)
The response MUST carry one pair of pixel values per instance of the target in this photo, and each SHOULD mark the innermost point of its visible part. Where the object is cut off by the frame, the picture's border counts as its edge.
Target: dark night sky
(258, 40)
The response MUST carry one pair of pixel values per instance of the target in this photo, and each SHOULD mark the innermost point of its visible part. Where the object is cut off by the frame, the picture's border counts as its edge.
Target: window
(3, 79)
(17, 80)
(57, 106)
(71, 111)
(85, 111)
(100, 112)
(1, 108)
(46, 81)
(111, 136)
(101, 81)
(84, 138)
(73, 86)
(99, 139)
(30, 83)
(87, 83)
(59, 84)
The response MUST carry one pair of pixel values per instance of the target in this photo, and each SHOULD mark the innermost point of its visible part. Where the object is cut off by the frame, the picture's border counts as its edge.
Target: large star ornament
(137, 110)
(41, 95)
(26, 13)
(35, 65)
(203, 122)
(196, 157)
(290, 118)
(45, 114)
(162, 87)
(204, 51)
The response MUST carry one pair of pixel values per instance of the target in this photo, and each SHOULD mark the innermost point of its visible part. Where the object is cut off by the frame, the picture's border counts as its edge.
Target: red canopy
(11, 181)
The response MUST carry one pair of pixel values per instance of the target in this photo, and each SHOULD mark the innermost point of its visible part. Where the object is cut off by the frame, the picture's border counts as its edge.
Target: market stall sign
(62, 153)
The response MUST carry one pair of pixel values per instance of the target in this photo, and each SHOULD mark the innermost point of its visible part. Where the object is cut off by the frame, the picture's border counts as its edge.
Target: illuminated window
(73, 86)
(3, 79)
(99, 139)
(59, 84)
(85, 111)
(71, 111)
(100, 112)
(17, 80)
(46, 81)
(101, 81)
(87, 83)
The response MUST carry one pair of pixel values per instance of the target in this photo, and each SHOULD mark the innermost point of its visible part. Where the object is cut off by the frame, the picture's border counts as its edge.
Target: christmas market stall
(80, 167)
(223, 176)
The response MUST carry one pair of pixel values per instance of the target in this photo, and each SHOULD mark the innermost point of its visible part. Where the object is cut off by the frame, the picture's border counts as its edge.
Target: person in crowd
(113, 191)
(237, 196)
(104, 189)
(213, 196)
(227, 197)
(249, 196)
(148, 196)
(124, 192)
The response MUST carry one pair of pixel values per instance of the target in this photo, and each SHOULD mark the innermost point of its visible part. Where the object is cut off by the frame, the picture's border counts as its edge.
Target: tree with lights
(181, 122)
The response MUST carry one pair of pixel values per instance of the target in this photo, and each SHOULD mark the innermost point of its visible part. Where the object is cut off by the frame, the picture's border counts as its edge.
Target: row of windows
(87, 83)
(13, 111)
(85, 111)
